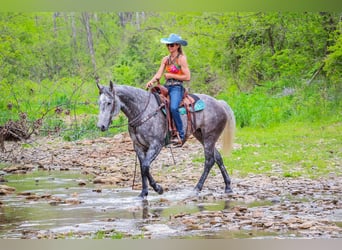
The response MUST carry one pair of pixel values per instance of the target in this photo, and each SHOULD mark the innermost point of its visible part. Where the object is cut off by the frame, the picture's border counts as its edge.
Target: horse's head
(109, 106)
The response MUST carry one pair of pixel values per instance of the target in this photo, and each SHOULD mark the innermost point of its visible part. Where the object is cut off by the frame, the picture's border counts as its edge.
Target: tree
(85, 19)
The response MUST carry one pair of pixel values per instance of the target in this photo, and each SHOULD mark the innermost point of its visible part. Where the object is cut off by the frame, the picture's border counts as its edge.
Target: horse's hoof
(160, 190)
(193, 193)
(196, 191)
(143, 195)
(228, 191)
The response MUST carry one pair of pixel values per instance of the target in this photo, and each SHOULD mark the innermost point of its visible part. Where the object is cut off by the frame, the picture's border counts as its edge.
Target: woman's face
(172, 47)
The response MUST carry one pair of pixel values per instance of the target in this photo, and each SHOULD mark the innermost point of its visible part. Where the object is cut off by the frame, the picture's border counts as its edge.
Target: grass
(291, 150)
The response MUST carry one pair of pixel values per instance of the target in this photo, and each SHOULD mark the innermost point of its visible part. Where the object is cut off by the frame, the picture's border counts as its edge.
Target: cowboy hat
(174, 38)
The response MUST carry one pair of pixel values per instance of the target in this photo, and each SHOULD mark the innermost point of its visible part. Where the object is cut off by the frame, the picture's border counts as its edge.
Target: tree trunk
(85, 19)
(73, 28)
(55, 15)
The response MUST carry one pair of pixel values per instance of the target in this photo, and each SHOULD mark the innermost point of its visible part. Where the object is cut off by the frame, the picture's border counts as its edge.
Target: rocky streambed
(50, 188)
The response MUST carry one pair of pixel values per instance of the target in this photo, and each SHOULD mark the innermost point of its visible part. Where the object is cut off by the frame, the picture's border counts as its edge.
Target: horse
(147, 126)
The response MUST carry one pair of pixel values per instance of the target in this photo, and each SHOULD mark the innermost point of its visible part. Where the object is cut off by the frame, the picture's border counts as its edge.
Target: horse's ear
(111, 86)
(99, 87)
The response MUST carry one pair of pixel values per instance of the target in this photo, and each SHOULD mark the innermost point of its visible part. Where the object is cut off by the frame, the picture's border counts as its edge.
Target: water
(77, 209)
(53, 204)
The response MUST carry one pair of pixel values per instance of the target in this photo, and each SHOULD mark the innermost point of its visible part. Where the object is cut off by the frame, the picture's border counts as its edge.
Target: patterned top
(172, 66)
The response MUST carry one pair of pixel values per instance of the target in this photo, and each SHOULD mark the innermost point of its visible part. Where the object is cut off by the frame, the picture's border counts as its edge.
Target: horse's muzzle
(103, 128)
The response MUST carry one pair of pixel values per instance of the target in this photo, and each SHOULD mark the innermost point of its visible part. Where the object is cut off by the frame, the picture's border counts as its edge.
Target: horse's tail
(229, 130)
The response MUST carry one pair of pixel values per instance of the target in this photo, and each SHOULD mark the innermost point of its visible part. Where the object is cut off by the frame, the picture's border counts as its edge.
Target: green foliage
(259, 109)
(248, 59)
(279, 102)
(83, 130)
(333, 61)
(100, 235)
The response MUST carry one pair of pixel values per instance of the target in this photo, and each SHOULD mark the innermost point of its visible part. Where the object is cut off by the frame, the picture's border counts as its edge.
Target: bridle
(137, 121)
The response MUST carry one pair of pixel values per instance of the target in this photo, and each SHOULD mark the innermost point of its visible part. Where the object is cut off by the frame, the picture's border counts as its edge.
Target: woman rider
(175, 69)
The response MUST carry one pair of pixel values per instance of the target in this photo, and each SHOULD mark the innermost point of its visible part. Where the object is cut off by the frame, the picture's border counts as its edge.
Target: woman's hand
(168, 76)
(149, 84)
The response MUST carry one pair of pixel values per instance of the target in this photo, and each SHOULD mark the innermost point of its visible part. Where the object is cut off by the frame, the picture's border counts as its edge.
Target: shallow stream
(66, 204)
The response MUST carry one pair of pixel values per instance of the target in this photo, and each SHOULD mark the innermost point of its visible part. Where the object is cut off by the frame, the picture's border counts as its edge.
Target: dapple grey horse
(148, 128)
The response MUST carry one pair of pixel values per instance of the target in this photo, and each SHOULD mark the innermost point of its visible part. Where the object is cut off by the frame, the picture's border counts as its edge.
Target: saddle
(188, 103)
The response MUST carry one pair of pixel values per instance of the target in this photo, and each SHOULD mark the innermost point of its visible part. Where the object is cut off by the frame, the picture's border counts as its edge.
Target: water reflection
(145, 209)
(110, 208)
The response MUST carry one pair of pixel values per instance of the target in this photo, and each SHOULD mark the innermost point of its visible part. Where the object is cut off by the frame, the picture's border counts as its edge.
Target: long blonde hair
(180, 50)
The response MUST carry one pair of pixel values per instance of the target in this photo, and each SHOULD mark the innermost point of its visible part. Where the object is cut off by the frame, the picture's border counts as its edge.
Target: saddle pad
(199, 105)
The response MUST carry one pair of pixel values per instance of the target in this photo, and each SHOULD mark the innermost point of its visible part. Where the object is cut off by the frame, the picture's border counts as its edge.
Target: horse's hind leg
(208, 164)
(219, 162)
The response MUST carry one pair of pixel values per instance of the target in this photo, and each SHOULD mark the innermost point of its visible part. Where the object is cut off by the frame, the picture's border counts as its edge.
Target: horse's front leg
(144, 189)
(145, 160)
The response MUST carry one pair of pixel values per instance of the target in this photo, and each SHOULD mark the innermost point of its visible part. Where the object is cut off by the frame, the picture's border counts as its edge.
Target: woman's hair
(180, 50)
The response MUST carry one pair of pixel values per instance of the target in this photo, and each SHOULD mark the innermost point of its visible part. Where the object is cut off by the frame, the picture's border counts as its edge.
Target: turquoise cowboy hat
(174, 38)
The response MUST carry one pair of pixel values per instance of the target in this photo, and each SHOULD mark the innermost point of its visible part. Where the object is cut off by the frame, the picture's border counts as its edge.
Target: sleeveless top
(172, 66)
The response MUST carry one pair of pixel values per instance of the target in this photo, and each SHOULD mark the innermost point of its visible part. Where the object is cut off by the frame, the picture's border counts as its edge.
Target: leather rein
(137, 121)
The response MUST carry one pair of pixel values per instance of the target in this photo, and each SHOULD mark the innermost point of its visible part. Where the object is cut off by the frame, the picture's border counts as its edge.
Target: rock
(25, 193)
(268, 224)
(159, 229)
(216, 220)
(4, 190)
(296, 192)
(194, 227)
(19, 168)
(46, 196)
(106, 180)
(293, 220)
(2, 179)
(257, 214)
(306, 225)
(82, 183)
(33, 197)
(73, 201)
(240, 210)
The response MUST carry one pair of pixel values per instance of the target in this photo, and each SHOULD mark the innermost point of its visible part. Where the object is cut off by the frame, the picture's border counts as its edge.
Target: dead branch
(18, 130)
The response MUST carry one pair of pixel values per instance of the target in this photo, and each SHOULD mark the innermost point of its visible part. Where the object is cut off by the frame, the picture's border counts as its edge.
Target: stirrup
(177, 141)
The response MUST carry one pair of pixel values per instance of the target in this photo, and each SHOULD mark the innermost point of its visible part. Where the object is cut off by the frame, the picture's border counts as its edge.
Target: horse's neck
(132, 100)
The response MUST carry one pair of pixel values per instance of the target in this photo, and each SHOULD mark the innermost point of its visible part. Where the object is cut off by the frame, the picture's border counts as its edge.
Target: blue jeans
(176, 95)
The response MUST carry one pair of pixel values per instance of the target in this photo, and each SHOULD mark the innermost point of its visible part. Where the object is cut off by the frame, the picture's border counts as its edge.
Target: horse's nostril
(103, 128)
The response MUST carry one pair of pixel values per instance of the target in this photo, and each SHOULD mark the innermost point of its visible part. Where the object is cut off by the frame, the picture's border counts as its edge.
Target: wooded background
(270, 67)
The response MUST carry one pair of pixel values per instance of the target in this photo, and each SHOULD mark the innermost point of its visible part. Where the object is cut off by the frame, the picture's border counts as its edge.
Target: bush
(266, 106)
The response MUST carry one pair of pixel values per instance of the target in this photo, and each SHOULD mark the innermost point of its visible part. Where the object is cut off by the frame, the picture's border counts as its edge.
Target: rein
(136, 122)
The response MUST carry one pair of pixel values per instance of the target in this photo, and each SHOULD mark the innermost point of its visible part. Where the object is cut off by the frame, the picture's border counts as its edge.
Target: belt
(173, 82)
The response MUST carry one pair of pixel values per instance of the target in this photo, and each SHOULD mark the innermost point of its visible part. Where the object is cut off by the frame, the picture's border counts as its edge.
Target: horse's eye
(109, 103)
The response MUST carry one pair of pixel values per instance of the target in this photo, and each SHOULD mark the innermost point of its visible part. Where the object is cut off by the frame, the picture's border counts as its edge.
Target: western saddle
(187, 102)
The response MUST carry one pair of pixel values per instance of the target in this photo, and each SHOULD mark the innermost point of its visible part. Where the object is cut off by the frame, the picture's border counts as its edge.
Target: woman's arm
(159, 73)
